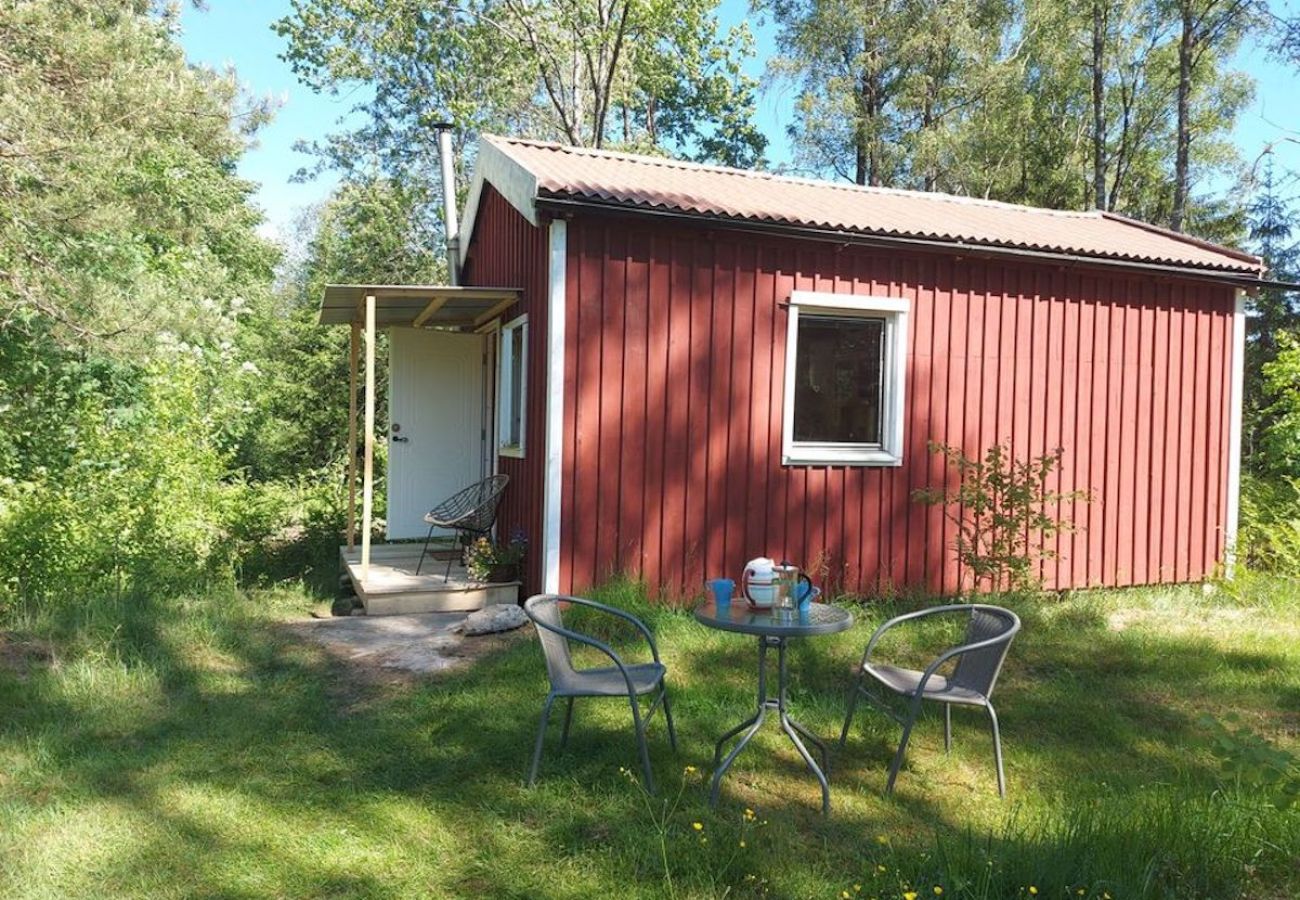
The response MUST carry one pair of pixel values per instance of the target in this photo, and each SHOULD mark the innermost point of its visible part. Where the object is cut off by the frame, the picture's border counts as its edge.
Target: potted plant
(495, 562)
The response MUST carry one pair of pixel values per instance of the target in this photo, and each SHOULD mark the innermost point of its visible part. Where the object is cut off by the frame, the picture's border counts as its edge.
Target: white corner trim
(552, 483)
(512, 181)
(890, 451)
(1237, 390)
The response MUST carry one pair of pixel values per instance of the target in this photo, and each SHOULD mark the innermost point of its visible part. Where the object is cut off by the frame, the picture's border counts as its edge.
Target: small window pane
(516, 386)
(838, 368)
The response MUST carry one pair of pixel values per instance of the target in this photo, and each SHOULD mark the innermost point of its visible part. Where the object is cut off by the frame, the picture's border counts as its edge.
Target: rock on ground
(498, 617)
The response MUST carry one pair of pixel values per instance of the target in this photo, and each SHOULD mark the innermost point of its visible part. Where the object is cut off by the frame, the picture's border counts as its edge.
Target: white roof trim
(512, 181)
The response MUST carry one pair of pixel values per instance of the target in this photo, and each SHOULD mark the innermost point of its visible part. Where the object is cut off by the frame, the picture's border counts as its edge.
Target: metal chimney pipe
(448, 166)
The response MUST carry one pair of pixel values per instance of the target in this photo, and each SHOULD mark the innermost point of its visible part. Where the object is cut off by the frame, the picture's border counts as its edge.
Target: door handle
(397, 438)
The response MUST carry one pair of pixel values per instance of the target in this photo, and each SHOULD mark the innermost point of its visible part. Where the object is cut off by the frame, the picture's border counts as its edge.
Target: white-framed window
(846, 366)
(512, 386)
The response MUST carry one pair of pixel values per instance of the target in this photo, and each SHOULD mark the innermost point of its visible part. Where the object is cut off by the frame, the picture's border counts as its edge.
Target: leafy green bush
(1250, 763)
(1278, 424)
(1002, 509)
(1268, 538)
(138, 496)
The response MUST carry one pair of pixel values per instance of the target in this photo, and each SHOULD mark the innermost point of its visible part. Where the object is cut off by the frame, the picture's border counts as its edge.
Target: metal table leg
(751, 725)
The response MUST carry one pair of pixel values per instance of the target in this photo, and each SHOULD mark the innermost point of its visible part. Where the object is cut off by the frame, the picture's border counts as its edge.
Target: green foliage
(1279, 434)
(372, 230)
(886, 88)
(645, 74)
(129, 265)
(1268, 539)
(133, 501)
(483, 555)
(1003, 510)
(1272, 377)
(119, 214)
(1250, 763)
(997, 99)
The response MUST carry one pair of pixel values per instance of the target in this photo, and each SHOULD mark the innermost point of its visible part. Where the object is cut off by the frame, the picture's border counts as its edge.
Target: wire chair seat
(471, 511)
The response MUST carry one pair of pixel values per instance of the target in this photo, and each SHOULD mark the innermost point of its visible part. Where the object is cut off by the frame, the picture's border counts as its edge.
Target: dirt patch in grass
(399, 649)
(22, 655)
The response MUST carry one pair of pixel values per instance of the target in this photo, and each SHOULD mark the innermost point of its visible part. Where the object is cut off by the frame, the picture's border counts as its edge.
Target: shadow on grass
(263, 768)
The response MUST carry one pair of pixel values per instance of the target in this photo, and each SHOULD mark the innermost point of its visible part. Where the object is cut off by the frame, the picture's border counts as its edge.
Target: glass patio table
(773, 628)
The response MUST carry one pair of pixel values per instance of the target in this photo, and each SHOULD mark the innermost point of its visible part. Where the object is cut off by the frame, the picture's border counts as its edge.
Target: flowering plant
(484, 556)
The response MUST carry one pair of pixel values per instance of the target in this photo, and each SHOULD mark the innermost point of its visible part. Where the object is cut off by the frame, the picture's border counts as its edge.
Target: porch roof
(419, 305)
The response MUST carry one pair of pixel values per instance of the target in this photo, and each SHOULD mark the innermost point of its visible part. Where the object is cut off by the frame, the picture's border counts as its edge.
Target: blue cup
(807, 595)
(722, 589)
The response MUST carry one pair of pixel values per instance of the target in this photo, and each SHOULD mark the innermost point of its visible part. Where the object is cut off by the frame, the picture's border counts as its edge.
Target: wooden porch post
(368, 473)
(353, 349)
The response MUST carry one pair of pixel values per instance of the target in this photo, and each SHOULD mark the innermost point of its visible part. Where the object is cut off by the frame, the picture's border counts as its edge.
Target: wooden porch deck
(392, 587)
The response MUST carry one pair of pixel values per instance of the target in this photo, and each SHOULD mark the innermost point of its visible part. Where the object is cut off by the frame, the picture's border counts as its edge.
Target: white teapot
(758, 582)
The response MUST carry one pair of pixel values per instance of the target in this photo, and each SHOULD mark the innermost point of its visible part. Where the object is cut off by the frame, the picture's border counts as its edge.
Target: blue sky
(238, 33)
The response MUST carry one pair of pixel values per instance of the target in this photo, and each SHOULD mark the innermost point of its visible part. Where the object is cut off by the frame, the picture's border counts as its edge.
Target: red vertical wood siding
(508, 251)
(675, 381)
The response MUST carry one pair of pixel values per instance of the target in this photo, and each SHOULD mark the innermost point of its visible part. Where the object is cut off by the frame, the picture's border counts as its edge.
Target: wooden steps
(392, 587)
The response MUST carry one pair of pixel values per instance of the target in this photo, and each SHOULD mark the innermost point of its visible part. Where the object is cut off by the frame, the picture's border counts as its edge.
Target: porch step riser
(390, 604)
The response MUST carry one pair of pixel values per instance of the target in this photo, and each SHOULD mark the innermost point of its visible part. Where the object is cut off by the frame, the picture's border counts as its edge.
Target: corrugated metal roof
(420, 305)
(646, 182)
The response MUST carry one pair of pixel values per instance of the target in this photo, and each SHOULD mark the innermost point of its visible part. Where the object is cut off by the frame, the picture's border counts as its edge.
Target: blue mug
(722, 589)
(807, 595)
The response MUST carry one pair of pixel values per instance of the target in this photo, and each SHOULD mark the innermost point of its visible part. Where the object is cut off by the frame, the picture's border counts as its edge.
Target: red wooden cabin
(720, 364)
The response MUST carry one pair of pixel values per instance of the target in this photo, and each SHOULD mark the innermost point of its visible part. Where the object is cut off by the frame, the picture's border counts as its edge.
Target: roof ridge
(669, 162)
(1184, 237)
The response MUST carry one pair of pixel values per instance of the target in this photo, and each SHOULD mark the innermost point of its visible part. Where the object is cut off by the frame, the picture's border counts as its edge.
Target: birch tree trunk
(1183, 151)
(1098, 105)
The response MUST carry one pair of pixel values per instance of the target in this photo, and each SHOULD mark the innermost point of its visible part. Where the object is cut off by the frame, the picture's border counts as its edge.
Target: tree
(847, 60)
(371, 230)
(884, 86)
(1060, 104)
(652, 74)
(129, 260)
(1274, 323)
(1209, 31)
(1004, 515)
(119, 214)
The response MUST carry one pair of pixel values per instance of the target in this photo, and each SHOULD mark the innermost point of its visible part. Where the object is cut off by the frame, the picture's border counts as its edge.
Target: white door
(435, 403)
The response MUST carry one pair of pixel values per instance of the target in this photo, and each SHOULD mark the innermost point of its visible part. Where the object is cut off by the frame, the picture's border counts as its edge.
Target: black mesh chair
(629, 681)
(470, 513)
(989, 632)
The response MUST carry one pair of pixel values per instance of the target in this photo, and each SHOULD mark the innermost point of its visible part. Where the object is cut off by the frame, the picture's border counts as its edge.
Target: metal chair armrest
(604, 648)
(614, 611)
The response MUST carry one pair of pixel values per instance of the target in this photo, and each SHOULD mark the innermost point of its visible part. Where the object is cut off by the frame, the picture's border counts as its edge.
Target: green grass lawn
(190, 748)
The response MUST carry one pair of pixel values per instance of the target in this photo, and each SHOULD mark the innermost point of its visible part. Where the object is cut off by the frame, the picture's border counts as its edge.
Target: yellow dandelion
(690, 770)
(1080, 892)
(882, 839)
(938, 891)
(909, 895)
(742, 843)
(1033, 890)
(882, 868)
(857, 888)
(844, 894)
(698, 826)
